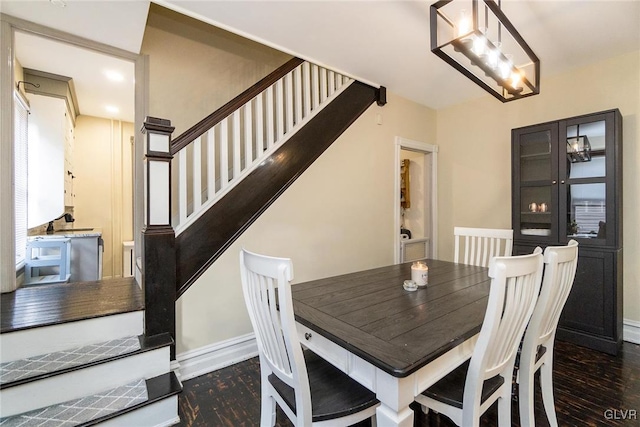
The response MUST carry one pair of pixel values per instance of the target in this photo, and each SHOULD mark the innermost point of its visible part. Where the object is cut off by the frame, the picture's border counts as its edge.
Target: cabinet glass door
(583, 179)
(535, 198)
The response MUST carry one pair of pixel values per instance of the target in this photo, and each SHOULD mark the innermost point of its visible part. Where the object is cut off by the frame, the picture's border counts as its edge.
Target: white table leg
(387, 417)
(395, 395)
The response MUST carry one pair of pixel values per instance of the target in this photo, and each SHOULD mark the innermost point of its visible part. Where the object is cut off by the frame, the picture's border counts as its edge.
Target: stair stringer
(204, 241)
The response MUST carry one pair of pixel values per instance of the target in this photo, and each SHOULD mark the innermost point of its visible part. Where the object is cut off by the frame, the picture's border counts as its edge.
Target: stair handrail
(214, 155)
(227, 109)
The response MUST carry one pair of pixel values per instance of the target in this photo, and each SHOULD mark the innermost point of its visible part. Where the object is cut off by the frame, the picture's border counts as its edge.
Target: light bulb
(515, 79)
(492, 59)
(506, 66)
(479, 45)
(464, 24)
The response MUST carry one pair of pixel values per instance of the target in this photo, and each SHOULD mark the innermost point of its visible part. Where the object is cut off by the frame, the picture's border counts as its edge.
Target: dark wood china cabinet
(567, 184)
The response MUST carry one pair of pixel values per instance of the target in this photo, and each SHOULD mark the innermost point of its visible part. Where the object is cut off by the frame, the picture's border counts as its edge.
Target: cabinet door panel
(589, 307)
(588, 167)
(535, 189)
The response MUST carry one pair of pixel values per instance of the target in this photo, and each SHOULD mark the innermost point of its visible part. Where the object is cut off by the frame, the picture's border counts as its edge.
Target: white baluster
(279, 110)
(306, 94)
(224, 153)
(288, 84)
(259, 127)
(235, 139)
(338, 80)
(211, 163)
(297, 74)
(197, 174)
(331, 82)
(315, 91)
(248, 136)
(269, 117)
(182, 186)
(323, 84)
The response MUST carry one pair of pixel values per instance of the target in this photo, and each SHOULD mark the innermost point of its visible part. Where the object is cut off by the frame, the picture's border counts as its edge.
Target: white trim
(631, 331)
(409, 144)
(216, 356)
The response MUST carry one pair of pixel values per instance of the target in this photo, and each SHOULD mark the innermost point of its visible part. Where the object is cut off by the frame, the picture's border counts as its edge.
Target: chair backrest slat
(514, 290)
(479, 245)
(560, 270)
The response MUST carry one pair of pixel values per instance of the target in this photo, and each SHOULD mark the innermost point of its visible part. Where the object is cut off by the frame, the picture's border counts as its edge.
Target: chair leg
(525, 397)
(504, 408)
(546, 384)
(267, 410)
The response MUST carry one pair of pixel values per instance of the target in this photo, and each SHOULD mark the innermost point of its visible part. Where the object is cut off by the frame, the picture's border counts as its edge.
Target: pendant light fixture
(477, 39)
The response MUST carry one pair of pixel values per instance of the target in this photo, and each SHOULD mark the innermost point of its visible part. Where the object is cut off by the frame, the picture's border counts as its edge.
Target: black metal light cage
(459, 50)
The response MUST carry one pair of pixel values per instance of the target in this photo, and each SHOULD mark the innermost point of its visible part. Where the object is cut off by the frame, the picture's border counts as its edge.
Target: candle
(420, 273)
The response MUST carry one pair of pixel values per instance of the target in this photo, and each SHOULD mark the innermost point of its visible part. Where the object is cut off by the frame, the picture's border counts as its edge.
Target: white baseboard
(216, 356)
(631, 331)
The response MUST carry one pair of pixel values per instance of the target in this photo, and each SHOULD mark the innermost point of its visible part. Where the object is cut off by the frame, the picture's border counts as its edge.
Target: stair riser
(83, 382)
(159, 414)
(32, 342)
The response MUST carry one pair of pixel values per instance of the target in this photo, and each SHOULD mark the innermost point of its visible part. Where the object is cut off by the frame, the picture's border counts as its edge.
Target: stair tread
(52, 304)
(85, 409)
(52, 364)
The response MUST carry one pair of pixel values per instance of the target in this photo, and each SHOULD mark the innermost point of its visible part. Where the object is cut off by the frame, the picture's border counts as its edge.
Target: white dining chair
(469, 390)
(537, 347)
(310, 391)
(481, 244)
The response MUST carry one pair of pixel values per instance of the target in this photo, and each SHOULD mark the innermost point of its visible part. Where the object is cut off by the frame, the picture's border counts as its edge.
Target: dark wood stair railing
(199, 245)
(217, 116)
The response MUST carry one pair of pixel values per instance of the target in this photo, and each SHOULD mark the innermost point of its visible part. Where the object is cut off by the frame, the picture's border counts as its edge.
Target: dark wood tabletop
(370, 314)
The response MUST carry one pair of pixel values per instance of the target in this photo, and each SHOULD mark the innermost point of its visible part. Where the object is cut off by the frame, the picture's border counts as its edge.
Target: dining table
(393, 341)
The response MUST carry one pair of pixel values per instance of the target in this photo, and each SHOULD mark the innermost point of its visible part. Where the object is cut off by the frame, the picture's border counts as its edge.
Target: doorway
(415, 210)
(42, 53)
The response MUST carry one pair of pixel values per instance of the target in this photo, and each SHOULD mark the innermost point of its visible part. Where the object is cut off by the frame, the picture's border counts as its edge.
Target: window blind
(21, 118)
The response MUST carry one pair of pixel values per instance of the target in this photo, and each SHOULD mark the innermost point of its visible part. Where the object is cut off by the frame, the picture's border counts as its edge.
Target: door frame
(8, 26)
(432, 180)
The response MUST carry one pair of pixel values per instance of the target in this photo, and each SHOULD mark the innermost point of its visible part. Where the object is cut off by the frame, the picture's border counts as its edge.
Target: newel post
(158, 237)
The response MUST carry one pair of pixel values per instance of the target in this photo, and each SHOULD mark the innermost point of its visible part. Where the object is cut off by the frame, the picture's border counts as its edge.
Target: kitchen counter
(78, 232)
(86, 251)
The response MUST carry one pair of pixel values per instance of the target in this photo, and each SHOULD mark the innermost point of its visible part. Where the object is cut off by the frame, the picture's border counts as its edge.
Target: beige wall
(104, 184)
(475, 153)
(336, 218)
(195, 68)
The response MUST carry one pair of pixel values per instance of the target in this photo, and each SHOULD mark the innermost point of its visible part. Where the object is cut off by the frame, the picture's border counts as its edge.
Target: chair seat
(333, 393)
(450, 389)
(542, 350)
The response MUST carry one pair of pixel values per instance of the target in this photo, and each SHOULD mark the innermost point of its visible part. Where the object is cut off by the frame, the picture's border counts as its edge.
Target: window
(21, 118)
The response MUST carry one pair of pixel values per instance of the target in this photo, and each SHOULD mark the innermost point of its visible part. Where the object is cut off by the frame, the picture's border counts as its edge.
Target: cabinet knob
(307, 336)
(561, 182)
(554, 182)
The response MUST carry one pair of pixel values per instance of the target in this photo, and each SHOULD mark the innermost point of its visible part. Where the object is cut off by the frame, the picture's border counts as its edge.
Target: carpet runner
(78, 411)
(51, 362)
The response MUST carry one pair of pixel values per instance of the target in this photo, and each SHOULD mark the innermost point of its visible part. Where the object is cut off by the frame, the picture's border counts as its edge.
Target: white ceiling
(97, 95)
(383, 42)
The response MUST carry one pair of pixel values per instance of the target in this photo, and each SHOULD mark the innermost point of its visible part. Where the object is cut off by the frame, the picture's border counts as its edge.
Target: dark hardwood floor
(591, 389)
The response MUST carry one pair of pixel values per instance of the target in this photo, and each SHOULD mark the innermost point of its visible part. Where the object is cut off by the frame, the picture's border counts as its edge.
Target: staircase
(230, 167)
(100, 367)
(107, 361)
